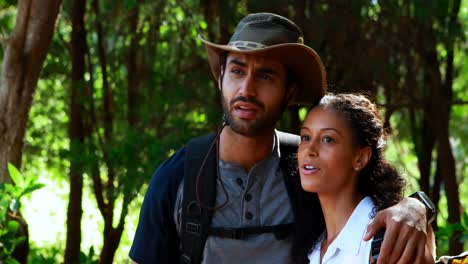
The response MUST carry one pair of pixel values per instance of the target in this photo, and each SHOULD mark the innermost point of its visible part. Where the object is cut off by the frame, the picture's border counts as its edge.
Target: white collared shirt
(348, 246)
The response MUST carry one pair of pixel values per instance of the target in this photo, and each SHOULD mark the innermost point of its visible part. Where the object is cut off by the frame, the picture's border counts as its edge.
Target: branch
(3, 40)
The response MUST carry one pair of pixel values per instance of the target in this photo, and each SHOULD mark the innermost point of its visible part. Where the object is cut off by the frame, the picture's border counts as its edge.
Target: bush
(10, 197)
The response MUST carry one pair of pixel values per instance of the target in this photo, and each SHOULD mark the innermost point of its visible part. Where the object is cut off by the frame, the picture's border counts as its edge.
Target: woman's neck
(245, 150)
(337, 208)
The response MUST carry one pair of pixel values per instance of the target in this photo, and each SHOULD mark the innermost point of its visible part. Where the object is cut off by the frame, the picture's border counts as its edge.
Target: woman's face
(327, 156)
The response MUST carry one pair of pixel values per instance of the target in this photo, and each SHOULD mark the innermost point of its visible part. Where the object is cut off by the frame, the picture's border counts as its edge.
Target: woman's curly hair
(378, 180)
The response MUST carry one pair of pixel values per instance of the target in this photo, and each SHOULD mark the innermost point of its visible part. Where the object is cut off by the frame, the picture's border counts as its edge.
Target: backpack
(196, 220)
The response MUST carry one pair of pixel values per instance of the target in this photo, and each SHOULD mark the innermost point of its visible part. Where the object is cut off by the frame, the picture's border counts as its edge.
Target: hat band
(246, 45)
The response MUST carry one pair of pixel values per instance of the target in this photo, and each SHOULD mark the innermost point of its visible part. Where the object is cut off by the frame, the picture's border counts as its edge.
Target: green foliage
(45, 254)
(90, 258)
(365, 45)
(10, 196)
(446, 231)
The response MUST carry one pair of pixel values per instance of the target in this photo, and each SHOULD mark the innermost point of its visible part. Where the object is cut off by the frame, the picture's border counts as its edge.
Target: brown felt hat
(276, 37)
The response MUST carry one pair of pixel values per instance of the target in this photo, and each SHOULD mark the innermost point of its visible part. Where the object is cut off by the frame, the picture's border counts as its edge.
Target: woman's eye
(265, 77)
(327, 139)
(305, 138)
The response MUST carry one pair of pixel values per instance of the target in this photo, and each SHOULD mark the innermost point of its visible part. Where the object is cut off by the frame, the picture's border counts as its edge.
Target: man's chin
(248, 128)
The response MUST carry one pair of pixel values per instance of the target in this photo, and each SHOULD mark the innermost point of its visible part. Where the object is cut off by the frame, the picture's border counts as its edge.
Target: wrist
(430, 207)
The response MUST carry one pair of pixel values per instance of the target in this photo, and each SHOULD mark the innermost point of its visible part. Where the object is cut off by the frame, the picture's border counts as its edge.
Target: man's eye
(305, 138)
(265, 77)
(327, 139)
(236, 71)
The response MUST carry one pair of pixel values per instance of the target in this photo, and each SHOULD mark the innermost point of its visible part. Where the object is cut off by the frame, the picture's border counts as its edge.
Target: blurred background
(91, 106)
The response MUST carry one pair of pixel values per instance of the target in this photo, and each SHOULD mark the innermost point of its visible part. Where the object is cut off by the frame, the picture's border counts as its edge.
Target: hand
(405, 235)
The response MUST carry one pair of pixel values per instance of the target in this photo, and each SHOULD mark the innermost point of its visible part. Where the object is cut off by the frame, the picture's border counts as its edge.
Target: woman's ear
(363, 156)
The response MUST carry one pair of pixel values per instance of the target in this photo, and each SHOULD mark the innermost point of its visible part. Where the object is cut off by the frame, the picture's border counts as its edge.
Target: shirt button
(248, 216)
(239, 181)
(248, 197)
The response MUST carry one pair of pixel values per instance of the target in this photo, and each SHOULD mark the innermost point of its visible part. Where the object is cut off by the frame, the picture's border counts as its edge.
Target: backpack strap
(288, 163)
(195, 219)
(375, 246)
(280, 231)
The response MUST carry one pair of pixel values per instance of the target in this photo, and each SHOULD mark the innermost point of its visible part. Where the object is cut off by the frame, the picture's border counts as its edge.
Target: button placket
(250, 212)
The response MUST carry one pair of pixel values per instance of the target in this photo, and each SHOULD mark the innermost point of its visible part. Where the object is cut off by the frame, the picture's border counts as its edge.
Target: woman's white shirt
(348, 246)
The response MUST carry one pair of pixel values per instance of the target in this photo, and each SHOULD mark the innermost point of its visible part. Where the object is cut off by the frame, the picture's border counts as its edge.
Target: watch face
(430, 207)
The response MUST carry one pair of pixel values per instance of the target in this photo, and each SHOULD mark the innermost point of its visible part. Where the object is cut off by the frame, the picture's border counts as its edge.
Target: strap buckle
(185, 259)
(193, 228)
(237, 233)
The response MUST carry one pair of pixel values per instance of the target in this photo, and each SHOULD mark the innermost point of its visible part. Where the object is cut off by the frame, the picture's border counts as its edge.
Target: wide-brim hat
(276, 37)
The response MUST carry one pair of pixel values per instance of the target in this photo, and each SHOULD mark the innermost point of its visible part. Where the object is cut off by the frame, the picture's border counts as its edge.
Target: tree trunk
(113, 235)
(445, 157)
(76, 133)
(441, 104)
(25, 52)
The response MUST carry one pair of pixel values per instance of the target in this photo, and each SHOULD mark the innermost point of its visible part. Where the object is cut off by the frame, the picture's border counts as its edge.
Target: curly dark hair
(378, 180)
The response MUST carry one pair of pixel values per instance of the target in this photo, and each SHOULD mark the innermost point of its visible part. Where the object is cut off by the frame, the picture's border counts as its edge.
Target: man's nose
(247, 87)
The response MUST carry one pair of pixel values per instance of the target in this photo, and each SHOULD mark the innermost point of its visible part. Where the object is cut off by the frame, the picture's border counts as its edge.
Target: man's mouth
(245, 110)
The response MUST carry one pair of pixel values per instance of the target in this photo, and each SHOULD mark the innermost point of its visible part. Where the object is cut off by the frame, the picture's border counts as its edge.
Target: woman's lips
(308, 169)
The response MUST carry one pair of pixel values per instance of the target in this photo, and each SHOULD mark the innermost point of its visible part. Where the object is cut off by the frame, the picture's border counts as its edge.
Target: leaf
(15, 175)
(13, 226)
(12, 261)
(32, 188)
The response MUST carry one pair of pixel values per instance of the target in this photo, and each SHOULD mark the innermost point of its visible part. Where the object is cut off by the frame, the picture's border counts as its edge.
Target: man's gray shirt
(256, 198)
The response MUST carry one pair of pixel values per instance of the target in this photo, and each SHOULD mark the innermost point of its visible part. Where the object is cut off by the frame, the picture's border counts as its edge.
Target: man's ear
(220, 77)
(291, 91)
(362, 158)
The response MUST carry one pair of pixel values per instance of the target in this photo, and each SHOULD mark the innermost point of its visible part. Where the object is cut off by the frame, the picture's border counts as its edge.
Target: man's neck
(245, 150)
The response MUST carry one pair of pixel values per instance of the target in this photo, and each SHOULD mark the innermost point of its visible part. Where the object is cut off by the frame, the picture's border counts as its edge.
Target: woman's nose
(312, 149)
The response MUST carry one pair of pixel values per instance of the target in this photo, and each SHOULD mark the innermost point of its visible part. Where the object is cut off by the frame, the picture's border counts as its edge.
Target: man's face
(253, 94)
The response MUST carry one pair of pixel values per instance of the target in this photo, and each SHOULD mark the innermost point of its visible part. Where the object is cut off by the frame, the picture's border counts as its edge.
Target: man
(246, 215)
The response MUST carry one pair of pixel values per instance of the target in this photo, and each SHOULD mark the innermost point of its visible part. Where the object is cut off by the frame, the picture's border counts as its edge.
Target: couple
(251, 194)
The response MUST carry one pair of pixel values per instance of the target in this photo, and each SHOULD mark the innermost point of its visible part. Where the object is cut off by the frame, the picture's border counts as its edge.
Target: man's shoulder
(288, 139)
(173, 167)
(168, 175)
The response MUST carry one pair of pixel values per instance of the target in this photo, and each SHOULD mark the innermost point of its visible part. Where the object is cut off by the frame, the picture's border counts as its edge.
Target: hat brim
(302, 60)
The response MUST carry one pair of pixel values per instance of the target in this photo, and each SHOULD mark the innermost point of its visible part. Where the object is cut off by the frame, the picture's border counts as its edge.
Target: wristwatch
(430, 207)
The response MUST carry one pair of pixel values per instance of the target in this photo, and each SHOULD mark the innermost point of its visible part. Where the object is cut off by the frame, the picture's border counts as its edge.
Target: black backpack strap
(280, 231)
(375, 246)
(196, 220)
(288, 163)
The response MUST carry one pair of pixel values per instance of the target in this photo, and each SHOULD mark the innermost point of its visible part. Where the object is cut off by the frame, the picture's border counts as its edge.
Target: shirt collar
(269, 160)
(350, 237)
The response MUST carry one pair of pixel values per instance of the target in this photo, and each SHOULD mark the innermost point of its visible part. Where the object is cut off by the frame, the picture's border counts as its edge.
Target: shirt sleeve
(156, 239)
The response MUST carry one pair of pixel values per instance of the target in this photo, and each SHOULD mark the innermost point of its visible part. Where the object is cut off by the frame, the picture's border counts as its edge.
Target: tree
(76, 132)
(24, 56)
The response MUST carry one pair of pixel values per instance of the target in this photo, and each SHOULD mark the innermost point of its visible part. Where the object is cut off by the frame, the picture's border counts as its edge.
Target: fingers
(410, 252)
(400, 244)
(377, 223)
(420, 254)
(388, 244)
(413, 250)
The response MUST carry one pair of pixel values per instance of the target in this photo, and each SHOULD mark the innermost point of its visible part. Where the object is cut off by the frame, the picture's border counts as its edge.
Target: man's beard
(255, 127)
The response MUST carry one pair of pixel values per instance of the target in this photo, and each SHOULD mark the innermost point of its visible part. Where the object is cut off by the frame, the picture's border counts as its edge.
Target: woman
(340, 158)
